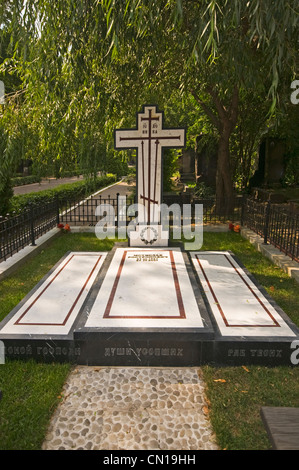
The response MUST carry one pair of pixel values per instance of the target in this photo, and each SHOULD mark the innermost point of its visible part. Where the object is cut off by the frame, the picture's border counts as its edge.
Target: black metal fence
(93, 209)
(277, 224)
(19, 231)
(115, 210)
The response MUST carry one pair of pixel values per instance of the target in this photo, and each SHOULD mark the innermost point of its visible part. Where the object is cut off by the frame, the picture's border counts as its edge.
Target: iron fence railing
(18, 231)
(277, 224)
(21, 230)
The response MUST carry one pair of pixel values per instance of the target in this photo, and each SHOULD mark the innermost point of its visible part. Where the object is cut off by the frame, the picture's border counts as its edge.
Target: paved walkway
(46, 183)
(50, 183)
(132, 409)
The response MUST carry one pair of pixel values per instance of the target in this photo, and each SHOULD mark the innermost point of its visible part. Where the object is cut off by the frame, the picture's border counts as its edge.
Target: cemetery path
(46, 183)
(122, 187)
(121, 408)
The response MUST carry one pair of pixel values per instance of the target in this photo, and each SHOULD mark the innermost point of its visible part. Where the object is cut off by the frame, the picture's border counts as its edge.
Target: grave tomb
(149, 307)
(145, 303)
(250, 328)
(41, 326)
(147, 310)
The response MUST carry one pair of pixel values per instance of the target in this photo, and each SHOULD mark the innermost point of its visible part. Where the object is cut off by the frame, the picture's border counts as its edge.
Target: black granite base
(181, 350)
(177, 349)
(139, 349)
(42, 350)
(249, 351)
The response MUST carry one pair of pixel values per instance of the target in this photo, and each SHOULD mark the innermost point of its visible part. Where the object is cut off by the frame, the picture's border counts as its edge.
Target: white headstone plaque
(149, 138)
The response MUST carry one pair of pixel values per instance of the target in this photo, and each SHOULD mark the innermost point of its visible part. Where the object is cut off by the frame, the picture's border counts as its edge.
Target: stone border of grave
(272, 253)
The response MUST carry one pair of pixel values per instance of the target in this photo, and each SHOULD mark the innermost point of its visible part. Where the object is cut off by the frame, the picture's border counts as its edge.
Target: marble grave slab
(146, 288)
(238, 305)
(53, 305)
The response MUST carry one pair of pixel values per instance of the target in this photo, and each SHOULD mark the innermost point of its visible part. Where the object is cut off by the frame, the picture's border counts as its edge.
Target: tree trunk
(224, 184)
(225, 121)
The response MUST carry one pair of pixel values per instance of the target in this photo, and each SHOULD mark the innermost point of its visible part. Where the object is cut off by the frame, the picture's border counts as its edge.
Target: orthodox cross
(149, 138)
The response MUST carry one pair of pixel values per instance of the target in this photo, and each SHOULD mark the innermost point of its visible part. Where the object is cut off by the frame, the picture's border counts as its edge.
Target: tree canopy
(76, 69)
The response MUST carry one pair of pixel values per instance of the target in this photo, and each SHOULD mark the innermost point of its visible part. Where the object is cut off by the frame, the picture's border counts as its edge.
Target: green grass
(31, 391)
(30, 396)
(236, 395)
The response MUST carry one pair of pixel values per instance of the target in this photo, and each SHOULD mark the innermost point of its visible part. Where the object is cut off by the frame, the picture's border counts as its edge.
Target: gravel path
(132, 409)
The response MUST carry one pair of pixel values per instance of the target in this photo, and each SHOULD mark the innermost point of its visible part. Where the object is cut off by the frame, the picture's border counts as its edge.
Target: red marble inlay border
(18, 321)
(275, 322)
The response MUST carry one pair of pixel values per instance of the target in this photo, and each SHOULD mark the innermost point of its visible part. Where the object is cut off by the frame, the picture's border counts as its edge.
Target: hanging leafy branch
(80, 68)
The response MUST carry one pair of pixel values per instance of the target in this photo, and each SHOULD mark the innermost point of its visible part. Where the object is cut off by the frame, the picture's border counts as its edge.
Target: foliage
(65, 99)
(220, 52)
(22, 180)
(76, 70)
(170, 166)
(70, 191)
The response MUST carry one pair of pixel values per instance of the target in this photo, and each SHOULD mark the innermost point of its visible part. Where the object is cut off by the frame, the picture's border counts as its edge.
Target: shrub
(20, 181)
(71, 191)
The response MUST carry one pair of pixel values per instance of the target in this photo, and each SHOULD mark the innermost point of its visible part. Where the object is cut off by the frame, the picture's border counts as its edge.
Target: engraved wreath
(151, 241)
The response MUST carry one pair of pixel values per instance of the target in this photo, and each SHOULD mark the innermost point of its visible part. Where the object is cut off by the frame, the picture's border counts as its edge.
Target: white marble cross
(149, 139)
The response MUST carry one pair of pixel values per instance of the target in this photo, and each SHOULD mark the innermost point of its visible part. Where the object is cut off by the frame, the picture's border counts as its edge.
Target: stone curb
(14, 262)
(272, 253)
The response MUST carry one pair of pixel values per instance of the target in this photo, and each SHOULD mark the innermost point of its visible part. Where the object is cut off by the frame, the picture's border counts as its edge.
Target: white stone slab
(148, 235)
(239, 307)
(55, 304)
(146, 288)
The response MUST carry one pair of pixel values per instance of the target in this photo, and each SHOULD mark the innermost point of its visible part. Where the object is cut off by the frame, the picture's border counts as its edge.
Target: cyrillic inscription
(111, 352)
